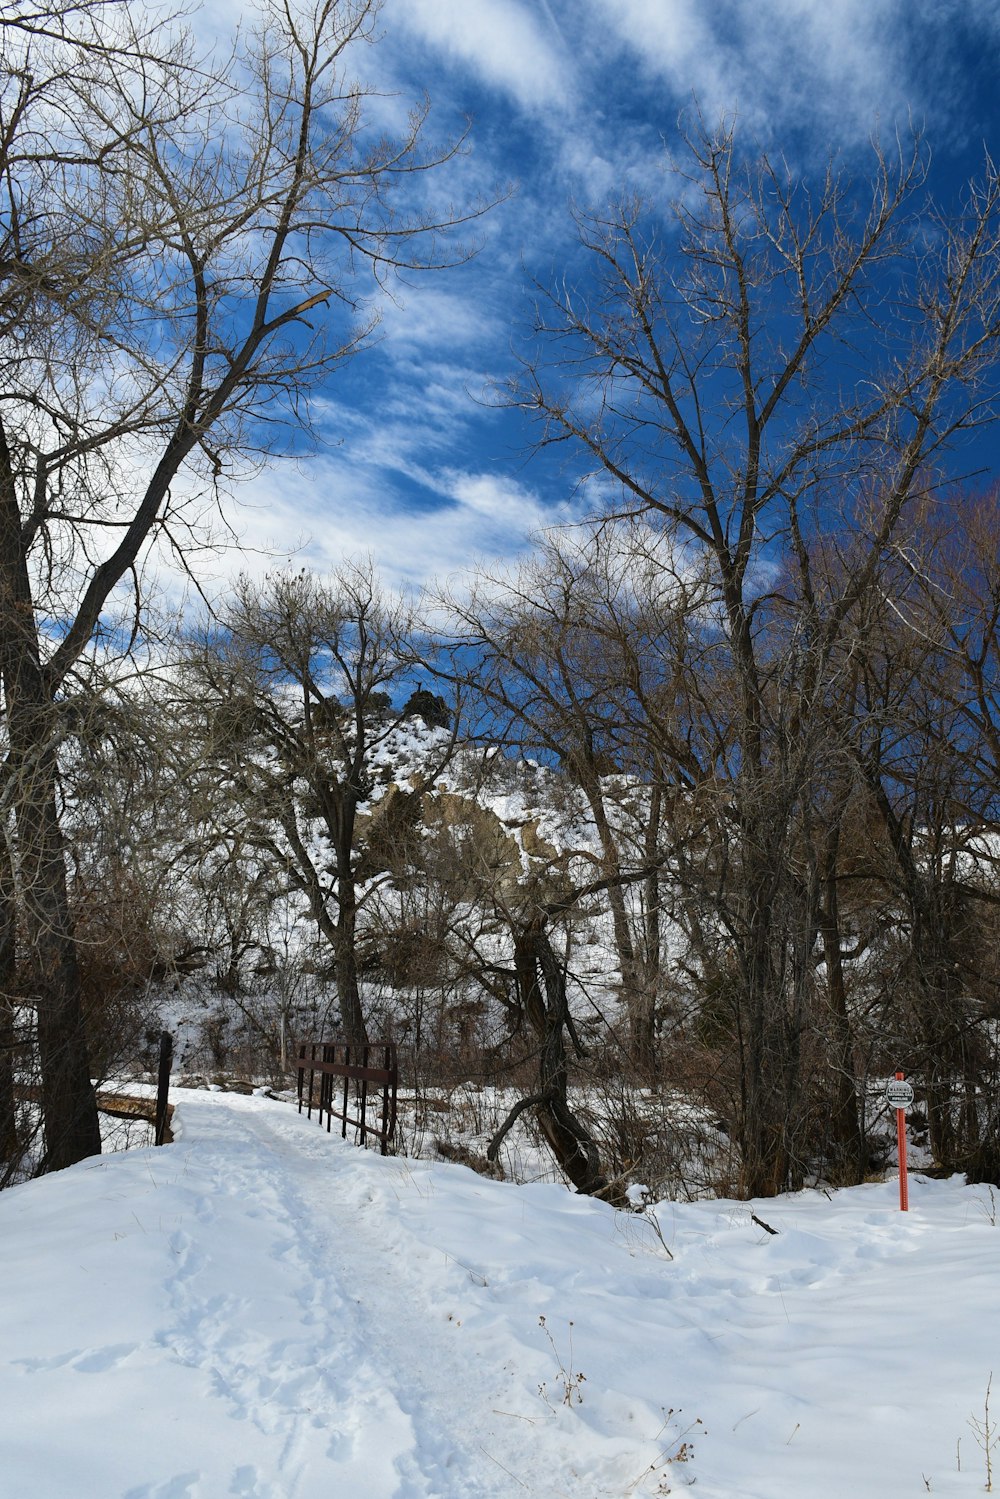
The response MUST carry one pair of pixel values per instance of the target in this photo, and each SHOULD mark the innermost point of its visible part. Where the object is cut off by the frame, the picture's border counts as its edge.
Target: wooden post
(904, 1192)
(163, 1085)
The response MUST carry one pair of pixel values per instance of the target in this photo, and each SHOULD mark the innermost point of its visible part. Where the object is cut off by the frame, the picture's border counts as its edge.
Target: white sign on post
(899, 1094)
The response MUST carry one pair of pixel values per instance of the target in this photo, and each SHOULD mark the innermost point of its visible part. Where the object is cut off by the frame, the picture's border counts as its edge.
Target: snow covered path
(260, 1310)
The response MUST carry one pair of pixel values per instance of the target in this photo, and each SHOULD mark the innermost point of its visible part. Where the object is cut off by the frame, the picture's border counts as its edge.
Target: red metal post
(904, 1193)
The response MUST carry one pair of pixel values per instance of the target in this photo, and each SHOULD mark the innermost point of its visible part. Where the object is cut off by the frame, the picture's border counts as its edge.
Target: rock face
(511, 853)
(515, 852)
(494, 847)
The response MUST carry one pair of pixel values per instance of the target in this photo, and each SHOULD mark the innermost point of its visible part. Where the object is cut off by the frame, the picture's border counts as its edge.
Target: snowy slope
(261, 1310)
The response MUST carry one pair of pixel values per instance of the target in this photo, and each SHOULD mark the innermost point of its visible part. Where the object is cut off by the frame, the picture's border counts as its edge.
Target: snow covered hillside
(261, 1310)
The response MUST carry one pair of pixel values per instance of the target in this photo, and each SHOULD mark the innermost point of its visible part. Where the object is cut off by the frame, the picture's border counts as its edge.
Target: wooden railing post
(347, 1089)
(163, 1086)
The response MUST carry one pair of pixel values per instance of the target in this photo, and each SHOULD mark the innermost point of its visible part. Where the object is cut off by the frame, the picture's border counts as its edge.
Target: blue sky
(576, 101)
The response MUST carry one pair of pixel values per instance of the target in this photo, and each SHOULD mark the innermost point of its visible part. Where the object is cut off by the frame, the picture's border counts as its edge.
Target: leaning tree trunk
(541, 986)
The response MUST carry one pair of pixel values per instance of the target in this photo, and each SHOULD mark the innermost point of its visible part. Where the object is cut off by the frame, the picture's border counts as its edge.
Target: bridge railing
(356, 1085)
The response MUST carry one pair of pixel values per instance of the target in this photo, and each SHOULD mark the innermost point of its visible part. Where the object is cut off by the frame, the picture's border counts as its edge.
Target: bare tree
(183, 252)
(295, 690)
(575, 656)
(930, 761)
(721, 372)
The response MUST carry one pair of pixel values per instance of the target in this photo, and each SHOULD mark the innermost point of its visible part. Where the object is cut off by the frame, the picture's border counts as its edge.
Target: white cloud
(675, 41)
(826, 71)
(328, 509)
(504, 509)
(420, 411)
(503, 41)
(428, 318)
(581, 98)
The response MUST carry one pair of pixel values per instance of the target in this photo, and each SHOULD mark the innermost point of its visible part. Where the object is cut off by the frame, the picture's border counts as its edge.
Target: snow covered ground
(261, 1310)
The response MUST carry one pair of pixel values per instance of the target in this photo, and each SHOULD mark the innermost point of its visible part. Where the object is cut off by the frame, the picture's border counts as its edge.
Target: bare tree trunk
(761, 1122)
(542, 991)
(644, 1018)
(845, 1123)
(932, 974)
(8, 964)
(341, 935)
(340, 931)
(345, 954)
(69, 1103)
(633, 988)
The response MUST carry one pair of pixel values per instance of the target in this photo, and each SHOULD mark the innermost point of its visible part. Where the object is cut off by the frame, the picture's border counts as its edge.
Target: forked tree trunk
(340, 929)
(541, 986)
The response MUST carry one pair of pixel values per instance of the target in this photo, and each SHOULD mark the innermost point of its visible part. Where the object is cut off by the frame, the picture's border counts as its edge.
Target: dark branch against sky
(577, 102)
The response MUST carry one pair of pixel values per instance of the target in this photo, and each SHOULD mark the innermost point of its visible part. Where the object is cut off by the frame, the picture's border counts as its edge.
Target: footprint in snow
(98, 1360)
(248, 1483)
(183, 1486)
(81, 1361)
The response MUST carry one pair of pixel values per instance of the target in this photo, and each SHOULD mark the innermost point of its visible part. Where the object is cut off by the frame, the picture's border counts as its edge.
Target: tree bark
(644, 1016)
(69, 1103)
(8, 964)
(542, 993)
(346, 964)
(845, 1123)
(633, 980)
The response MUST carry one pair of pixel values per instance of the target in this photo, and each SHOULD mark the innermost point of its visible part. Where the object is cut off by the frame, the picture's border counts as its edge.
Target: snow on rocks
(261, 1310)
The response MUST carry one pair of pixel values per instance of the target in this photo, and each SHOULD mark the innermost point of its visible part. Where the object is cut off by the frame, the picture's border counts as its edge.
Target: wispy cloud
(505, 42)
(329, 509)
(827, 72)
(428, 318)
(574, 99)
